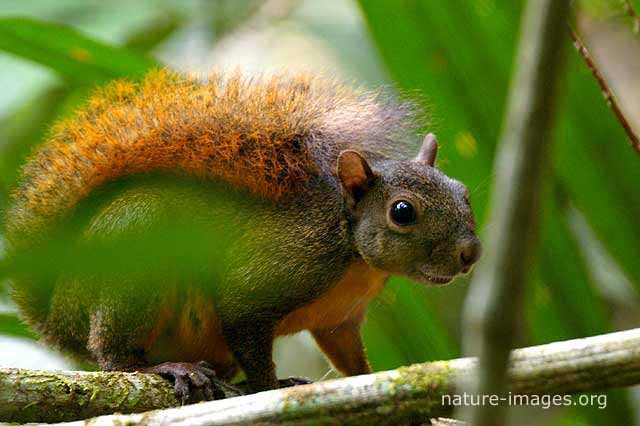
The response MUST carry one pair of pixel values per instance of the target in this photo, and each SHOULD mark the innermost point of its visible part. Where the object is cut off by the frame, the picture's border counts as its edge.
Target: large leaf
(458, 54)
(562, 301)
(417, 335)
(598, 169)
(11, 325)
(27, 124)
(66, 51)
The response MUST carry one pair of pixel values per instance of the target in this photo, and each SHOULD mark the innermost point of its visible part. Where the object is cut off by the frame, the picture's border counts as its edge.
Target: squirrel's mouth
(437, 278)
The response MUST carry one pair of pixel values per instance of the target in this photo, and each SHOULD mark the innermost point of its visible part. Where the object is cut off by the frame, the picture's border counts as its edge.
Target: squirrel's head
(408, 217)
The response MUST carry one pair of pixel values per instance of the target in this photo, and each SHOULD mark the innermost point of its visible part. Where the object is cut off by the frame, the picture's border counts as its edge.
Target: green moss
(415, 390)
(64, 398)
(424, 377)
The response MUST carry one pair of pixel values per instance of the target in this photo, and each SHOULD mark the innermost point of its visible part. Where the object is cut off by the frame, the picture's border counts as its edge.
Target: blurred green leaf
(11, 325)
(465, 82)
(560, 295)
(68, 52)
(26, 126)
(562, 302)
(598, 169)
(152, 35)
(386, 331)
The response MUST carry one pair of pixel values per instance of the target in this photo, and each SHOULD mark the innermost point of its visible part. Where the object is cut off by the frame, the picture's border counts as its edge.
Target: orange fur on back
(268, 135)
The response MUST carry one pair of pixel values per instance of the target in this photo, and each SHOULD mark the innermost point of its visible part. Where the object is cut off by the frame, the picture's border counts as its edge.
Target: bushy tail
(269, 135)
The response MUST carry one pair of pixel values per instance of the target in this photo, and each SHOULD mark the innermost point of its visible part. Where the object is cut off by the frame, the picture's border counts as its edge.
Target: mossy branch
(395, 397)
(55, 396)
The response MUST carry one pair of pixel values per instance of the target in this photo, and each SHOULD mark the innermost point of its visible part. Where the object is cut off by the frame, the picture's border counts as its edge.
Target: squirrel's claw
(194, 382)
(294, 381)
(282, 383)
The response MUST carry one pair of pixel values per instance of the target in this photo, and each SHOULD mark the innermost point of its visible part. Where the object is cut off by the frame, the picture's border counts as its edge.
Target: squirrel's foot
(194, 382)
(294, 381)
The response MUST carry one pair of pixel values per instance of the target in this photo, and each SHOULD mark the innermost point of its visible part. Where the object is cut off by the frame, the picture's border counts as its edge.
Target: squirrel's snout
(470, 250)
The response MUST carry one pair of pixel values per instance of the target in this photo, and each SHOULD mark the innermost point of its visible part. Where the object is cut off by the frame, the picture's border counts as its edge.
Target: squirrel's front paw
(194, 382)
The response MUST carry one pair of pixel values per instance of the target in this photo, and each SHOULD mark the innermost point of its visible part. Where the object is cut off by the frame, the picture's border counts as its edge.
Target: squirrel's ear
(428, 151)
(355, 176)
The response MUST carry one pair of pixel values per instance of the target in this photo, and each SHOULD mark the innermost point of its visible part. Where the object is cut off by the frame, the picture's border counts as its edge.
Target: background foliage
(455, 56)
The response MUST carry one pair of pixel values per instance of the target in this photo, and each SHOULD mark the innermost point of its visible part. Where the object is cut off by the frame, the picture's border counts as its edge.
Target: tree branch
(55, 396)
(608, 94)
(388, 398)
(493, 306)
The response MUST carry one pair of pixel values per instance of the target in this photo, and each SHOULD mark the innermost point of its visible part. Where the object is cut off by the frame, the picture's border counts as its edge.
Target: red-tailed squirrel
(304, 186)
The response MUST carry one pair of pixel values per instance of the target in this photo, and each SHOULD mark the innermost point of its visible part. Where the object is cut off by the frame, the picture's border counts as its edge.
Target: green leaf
(458, 55)
(594, 163)
(562, 292)
(26, 126)
(404, 328)
(152, 35)
(69, 53)
(10, 325)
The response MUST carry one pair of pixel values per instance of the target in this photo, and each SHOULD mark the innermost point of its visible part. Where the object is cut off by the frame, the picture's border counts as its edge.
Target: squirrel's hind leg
(252, 346)
(121, 335)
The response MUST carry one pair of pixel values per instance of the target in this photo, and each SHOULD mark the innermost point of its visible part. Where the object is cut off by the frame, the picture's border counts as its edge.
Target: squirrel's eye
(403, 213)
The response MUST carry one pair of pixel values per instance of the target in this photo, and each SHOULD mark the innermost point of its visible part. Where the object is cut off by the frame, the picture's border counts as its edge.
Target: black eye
(403, 213)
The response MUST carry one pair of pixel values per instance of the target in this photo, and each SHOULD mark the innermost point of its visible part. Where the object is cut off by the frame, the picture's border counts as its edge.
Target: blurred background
(455, 57)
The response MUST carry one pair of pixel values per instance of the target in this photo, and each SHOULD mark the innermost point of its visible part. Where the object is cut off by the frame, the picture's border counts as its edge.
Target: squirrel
(306, 186)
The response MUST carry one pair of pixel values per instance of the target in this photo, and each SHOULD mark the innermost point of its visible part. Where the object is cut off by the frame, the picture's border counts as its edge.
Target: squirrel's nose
(470, 250)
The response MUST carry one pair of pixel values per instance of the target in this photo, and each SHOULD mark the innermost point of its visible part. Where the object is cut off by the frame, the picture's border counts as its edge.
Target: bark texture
(408, 395)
